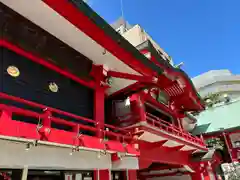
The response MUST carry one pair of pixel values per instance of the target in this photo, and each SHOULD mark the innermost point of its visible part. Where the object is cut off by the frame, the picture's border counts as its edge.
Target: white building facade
(218, 82)
(136, 35)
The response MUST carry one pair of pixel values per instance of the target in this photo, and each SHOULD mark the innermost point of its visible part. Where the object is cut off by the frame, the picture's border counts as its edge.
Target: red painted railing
(45, 119)
(172, 129)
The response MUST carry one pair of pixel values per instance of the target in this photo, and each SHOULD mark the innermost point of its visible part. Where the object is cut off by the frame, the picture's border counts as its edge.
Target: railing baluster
(47, 117)
(5, 114)
(155, 121)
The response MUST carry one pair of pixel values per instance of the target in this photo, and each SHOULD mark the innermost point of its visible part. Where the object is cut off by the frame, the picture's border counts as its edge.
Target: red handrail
(40, 106)
(112, 131)
(162, 121)
(155, 121)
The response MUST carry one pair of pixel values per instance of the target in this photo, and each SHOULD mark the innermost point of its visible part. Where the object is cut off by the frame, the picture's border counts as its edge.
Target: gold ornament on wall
(53, 87)
(13, 71)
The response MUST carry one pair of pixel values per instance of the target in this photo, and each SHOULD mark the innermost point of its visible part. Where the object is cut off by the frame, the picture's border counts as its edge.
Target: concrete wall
(135, 35)
(14, 155)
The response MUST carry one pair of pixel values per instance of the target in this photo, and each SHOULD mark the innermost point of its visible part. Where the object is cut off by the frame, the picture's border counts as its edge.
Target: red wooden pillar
(196, 176)
(178, 116)
(99, 110)
(137, 107)
(132, 175)
(229, 146)
(102, 174)
(46, 122)
(99, 94)
(206, 175)
(209, 173)
(5, 116)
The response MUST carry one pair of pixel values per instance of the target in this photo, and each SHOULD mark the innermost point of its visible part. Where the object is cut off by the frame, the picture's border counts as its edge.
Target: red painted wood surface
(9, 127)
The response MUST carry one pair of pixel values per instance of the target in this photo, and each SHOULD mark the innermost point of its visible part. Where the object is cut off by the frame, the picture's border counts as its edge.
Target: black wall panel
(33, 85)
(23, 33)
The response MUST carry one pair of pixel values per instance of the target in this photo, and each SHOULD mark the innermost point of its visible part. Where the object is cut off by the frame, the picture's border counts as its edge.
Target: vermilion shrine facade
(78, 97)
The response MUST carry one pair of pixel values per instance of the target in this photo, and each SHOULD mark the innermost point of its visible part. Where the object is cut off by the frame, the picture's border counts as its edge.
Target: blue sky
(204, 34)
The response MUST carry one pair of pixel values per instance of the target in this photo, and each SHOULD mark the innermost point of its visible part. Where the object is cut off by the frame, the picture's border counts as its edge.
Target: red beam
(136, 87)
(30, 56)
(164, 155)
(121, 75)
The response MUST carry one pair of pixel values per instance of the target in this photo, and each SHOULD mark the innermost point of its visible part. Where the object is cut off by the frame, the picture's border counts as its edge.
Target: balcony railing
(172, 129)
(45, 116)
(130, 119)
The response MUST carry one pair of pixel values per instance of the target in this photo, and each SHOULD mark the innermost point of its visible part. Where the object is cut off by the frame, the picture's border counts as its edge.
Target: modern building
(218, 82)
(137, 36)
(78, 100)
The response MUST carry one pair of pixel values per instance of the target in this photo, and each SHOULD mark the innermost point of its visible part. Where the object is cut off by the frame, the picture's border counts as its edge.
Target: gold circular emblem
(53, 87)
(13, 71)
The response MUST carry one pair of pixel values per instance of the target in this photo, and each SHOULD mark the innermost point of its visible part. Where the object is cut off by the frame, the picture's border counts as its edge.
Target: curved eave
(198, 103)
